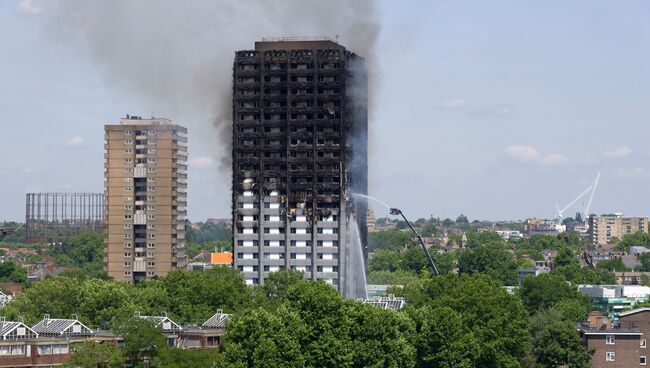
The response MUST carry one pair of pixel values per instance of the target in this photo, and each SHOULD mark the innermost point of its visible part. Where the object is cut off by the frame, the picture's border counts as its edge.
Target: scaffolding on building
(54, 217)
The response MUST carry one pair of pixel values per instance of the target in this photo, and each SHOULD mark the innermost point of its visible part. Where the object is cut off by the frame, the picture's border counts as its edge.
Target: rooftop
(297, 43)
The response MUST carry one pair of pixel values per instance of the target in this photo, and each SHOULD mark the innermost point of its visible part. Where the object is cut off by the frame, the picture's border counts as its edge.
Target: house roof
(161, 321)
(218, 320)
(54, 326)
(639, 310)
(7, 326)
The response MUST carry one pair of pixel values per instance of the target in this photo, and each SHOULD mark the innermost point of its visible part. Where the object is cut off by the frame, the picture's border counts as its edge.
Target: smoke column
(175, 57)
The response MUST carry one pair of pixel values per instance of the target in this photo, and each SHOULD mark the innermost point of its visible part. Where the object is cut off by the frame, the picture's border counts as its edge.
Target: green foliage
(565, 257)
(385, 260)
(442, 339)
(399, 277)
(186, 296)
(275, 288)
(316, 328)
(13, 237)
(182, 358)
(545, 290)
(645, 262)
(615, 264)
(637, 239)
(389, 240)
(491, 259)
(142, 340)
(79, 250)
(560, 344)
(10, 272)
(497, 320)
(96, 354)
(209, 232)
(584, 275)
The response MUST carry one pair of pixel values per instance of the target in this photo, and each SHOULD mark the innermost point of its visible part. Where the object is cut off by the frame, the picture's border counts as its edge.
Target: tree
(276, 285)
(639, 239)
(384, 260)
(543, 291)
(584, 275)
(143, 341)
(181, 358)
(615, 264)
(560, 344)
(399, 277)
(491, 259)
(442, 340)
(497, 320)
(565, 257)
(414, 260)
(462, 219)
(389, 240)
(97, 355)
(645, 262)
(264, 339)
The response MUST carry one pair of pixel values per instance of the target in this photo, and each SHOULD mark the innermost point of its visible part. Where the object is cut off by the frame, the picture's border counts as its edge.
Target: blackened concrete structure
(299, 153)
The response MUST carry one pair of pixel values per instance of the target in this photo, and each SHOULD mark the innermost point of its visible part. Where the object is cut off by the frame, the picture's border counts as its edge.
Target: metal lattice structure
(54, 217)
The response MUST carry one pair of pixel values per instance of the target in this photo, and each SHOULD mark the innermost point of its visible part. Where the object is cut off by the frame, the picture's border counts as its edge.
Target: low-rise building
(615, 298)
(49, 342)
(620, 341)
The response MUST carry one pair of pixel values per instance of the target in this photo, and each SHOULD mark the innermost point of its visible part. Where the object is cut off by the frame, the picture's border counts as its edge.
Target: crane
(591, 198)
(560, 212)
(397, 212)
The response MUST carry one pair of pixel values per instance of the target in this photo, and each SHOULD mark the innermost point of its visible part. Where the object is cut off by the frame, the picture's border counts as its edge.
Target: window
(151, 160)
(127, 180)
(151, 180)
(128, 207)
(151, 189)
(12, 350)
(127, 254)
(151, 217)
(128, 217)
(643, 344)
(128, 141)
(53, 349)
(128, 170)
(610, 356)
(151, 170)
(128, 226)
(128, 160)
(151, 151)
(151, 226)
(128, 151)
(610, 340)
(151, 245)
(127, 132)
(128, 189)
(151, 208)
(642, 360)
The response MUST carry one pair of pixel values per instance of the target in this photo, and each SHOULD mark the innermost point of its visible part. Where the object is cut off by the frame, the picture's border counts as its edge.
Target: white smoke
(175, 57)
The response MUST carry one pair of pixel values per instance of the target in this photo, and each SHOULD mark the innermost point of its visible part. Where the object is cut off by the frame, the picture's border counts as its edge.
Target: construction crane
(591, 198)
(560, 212)
(5, 232)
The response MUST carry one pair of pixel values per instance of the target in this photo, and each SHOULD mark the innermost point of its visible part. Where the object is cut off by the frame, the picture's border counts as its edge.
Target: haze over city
(494, 110)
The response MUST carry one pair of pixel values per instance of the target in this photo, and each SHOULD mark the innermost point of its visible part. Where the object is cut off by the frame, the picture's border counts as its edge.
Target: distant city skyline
(495, 110)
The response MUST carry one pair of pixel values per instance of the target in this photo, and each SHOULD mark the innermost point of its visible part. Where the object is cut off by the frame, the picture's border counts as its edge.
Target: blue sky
(493, 109)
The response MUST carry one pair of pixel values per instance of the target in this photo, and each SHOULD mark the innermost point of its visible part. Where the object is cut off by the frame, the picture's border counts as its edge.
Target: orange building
(222, 259)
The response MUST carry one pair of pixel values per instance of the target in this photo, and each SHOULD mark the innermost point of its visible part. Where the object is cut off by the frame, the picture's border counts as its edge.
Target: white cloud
(456, 104)
(503, 109)
(75, 141)
(522, 153)
(636, 172)
(26, 6)
(618, 152)
(554, 160)
(202, 161)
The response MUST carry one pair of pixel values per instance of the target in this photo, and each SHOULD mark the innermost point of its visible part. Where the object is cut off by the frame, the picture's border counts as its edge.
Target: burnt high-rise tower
(299, 153)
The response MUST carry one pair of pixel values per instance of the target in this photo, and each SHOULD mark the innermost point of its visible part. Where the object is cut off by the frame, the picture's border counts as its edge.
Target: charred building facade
(299, 153)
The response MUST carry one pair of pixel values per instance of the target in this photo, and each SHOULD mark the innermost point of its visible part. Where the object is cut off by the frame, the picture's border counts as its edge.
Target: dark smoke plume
(175, 57)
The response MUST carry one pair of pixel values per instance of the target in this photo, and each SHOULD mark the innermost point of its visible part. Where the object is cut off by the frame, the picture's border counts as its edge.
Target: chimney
(74, 316)
(136, 314)
(163, 314)
(46, 319)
